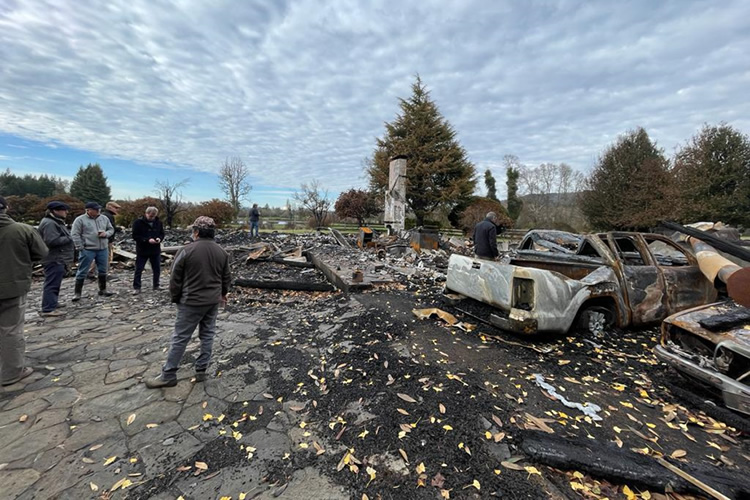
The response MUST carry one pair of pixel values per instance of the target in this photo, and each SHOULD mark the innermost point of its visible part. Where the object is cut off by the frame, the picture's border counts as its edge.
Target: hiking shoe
(137, 291)
(76, 297)
(105, 293)
(157, 382)
(52, 313)
(201, 376)
(24, 373)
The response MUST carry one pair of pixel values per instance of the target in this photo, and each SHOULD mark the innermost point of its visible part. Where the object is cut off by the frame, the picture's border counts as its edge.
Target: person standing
(111, 209)
(254, 217)
(60, 244)
(91, 232)
(148, 233)
(485, 238)
(199, 284)
(21, 245)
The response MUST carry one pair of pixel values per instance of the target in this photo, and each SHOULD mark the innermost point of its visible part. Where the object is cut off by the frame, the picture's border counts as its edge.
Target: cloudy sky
(165, 90)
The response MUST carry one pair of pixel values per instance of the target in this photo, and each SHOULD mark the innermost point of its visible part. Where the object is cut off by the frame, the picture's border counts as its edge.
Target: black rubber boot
(103, 286)
(78, 290)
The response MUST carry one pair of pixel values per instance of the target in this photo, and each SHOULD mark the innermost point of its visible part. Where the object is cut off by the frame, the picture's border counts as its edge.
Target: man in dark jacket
(148, 233)
(199, 284)
(485, 238)
(254, 218)
(57, 238)
(20, 245)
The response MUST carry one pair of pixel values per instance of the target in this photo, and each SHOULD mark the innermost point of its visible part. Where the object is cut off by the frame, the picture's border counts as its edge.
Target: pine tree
(630, 187)
(713, 176)
(89, 184)
(489, 182)
(438, 172)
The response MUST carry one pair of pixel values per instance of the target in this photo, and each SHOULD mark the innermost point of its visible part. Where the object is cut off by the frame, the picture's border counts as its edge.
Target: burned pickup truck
(556, 281)
(711, 344)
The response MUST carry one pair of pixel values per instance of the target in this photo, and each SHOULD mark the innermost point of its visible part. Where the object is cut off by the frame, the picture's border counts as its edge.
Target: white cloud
(301, 89)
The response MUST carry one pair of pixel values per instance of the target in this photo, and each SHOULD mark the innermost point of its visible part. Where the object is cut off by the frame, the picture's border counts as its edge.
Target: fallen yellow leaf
(110, 460)
(131, 419)
(678, 453)
(420, 468)
(201, 465)
(93, 487)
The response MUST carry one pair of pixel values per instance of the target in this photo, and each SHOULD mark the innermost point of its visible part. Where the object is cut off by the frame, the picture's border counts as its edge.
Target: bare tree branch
(233, 175)
(313, 200)
(171, 198)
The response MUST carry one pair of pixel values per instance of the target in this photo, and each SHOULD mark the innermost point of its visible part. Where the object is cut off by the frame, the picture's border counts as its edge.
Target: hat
(204, 222)
(112, 205)
(3, 203)
(57, 205)
(94, 205)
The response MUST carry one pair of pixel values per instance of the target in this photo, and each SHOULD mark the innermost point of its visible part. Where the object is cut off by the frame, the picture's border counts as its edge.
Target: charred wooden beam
(285, 285)
(718, 243)
(626, 467)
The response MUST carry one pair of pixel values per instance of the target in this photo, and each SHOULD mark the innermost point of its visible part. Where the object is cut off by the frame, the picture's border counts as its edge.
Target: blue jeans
(253, 228)
(140, 264)
(53, 276)
(85, 259)
(188, 317)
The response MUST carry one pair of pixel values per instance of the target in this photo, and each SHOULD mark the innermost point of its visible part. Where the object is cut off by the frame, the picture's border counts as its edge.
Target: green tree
(631, 186)
(438, 172)
(513, 172)
(713, 176)
(89, 184)
(489, 182)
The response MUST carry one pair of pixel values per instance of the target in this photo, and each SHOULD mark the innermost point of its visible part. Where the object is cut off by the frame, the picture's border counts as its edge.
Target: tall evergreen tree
(89, 184)
(489, 182)
(713, 176)
(438, 172)
(515, 204)
(630, 187)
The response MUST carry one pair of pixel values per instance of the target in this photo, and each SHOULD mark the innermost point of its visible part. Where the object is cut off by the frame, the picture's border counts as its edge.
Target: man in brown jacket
(199, 284)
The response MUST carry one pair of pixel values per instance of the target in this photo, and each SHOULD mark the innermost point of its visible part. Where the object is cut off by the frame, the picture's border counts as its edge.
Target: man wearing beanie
(91, 232)
(21, 245)
(199, 283)
(57, 238)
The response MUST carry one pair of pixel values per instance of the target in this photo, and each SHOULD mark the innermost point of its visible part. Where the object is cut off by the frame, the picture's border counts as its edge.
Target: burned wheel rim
(596, 319)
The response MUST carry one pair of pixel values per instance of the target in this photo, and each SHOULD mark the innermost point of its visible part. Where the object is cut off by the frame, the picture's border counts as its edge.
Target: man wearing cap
(485, 238)
(21, 245)
(57, 238)
(199, 284)
(91, 232)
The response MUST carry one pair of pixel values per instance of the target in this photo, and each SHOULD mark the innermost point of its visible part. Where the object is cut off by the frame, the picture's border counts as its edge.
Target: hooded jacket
(20, 245)
(57, 238)
(85, 232)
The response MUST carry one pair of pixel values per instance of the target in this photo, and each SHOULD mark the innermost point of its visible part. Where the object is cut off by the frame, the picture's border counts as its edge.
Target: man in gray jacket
(20, 245)
(91, 232)
(57, 238)
(199, 284)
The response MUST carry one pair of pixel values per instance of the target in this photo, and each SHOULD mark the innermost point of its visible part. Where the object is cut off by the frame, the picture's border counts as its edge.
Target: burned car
(556, 281)
(711, 344)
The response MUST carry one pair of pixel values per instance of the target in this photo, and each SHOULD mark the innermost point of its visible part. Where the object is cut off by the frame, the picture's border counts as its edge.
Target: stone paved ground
(84, 420)
(326, 396)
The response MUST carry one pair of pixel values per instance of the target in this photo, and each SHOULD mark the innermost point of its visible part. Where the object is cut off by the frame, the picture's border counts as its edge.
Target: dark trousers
(53, 276)
(140, 264)
(189, 317)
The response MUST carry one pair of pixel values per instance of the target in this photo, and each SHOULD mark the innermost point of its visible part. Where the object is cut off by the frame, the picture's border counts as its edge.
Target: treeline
(41, 186)
(634, 185)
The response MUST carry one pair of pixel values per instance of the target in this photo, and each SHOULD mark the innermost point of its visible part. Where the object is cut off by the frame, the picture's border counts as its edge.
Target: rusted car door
(642, 279)
(685, 284)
